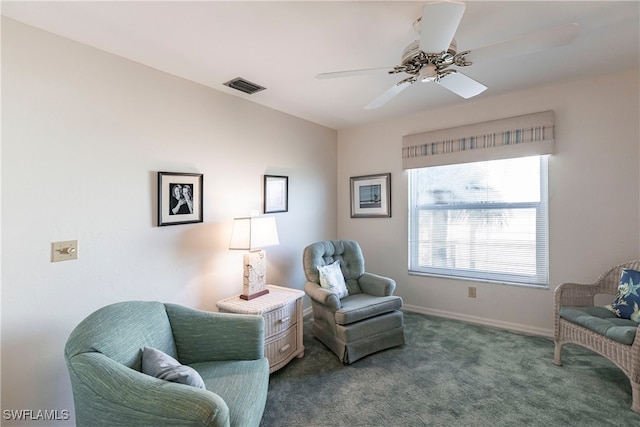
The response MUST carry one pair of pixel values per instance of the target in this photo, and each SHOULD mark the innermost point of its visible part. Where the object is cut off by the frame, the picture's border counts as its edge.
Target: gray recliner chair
(364, 322)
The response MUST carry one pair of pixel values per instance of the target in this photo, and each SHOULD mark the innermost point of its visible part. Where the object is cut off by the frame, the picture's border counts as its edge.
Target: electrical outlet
(64, 251)
(472, 291)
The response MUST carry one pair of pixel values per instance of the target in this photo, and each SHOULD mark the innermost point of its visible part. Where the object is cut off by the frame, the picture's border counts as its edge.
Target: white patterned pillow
(331, 278)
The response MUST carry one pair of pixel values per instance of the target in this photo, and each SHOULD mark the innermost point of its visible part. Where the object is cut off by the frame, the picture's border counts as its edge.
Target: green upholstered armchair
(365, 321)
(103, 355)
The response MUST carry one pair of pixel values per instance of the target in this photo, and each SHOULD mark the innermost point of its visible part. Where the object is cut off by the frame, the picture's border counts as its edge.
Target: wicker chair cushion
(627, 302)
(602, 321)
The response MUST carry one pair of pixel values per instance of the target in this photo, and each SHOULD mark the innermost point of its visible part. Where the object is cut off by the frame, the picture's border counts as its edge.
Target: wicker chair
(580, 297)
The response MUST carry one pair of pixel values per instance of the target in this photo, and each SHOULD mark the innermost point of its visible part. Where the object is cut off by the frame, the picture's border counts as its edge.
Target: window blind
(481, 221)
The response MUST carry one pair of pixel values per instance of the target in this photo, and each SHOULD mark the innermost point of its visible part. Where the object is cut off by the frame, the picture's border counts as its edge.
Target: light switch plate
(64, 250)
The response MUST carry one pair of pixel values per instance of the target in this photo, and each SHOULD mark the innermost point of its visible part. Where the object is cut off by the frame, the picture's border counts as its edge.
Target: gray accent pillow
(161, 365)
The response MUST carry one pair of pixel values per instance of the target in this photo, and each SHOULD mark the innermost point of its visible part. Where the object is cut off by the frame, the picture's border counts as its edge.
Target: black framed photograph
(371, 196)
(179, 198)
(276, 193)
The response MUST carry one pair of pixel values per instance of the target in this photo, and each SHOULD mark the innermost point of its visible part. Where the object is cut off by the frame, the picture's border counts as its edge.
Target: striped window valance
(528, 135)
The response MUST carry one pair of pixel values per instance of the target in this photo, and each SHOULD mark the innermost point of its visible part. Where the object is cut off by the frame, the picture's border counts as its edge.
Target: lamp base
(254, 283)
(256, 295)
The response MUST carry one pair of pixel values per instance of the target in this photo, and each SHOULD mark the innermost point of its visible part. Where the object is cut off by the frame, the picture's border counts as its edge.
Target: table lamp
(251, 234)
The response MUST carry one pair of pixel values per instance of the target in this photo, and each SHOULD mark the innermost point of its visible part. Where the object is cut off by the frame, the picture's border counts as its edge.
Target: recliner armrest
(322, 296)
(376, 285)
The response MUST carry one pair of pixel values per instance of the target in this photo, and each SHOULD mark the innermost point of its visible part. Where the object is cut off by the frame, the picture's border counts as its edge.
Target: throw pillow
(160, 365)
(627, 302)
(331, 278)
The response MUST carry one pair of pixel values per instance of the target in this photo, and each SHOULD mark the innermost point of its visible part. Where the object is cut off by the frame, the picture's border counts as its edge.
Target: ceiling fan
(434, 55)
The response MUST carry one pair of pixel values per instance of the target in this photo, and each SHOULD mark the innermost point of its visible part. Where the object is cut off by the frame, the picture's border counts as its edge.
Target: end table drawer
(281, 310)
(282, 346)
(280, 320)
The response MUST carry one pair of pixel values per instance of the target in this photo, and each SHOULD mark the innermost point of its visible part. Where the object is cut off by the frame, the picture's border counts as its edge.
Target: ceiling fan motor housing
(413, 59)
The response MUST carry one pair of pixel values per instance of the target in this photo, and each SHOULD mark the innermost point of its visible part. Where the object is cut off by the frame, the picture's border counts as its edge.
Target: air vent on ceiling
(244, 85)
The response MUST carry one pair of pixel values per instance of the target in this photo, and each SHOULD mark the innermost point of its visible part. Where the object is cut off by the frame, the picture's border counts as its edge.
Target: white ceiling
(283, 45)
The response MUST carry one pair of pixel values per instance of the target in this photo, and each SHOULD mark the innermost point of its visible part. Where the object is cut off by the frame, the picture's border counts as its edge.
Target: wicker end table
(282, 312)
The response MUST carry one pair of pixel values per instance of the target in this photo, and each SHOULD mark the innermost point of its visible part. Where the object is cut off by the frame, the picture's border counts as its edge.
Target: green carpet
(450, 373)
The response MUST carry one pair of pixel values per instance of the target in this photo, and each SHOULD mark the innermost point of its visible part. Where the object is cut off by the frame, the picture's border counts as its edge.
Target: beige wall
(83, 135)
(593, 196)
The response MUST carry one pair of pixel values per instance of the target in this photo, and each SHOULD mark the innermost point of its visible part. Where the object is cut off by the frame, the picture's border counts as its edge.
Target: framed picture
(371, 196)
(179, 198)
(276, 193)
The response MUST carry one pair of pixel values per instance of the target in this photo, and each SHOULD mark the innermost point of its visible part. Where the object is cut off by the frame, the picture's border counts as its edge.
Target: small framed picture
(276, 193)
(371, 196)
(179, 198)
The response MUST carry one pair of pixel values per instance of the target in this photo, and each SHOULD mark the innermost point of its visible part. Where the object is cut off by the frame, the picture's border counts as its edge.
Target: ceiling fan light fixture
(428, 73)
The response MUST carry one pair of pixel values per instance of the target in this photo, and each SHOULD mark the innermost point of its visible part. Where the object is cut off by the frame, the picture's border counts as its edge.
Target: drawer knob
(284, 319)
(285, 348)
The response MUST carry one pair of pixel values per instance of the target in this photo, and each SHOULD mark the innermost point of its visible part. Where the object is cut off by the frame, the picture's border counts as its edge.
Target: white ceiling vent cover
(244, 85)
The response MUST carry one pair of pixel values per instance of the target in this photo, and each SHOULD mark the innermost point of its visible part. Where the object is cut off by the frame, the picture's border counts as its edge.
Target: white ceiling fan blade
(438, 25)
(351, 73)
(462, 85)
(526, 44)
(387, 95)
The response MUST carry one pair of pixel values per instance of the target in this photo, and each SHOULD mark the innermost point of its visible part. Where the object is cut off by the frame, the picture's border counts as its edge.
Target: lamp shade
(254, 232)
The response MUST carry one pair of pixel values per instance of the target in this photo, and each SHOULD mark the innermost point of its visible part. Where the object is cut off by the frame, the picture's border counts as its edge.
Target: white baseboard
(516, 327)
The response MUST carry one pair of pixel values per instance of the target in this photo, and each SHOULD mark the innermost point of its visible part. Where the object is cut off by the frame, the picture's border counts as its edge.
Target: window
(481, 221)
